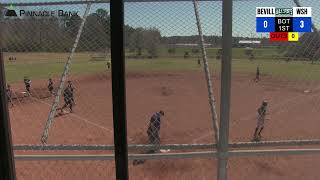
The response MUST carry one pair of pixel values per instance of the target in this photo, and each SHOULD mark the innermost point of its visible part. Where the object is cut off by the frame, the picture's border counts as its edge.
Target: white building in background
(190, 45)
(249, 43)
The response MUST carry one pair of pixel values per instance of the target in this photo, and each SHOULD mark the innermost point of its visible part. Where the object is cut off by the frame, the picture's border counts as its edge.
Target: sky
(178, 18)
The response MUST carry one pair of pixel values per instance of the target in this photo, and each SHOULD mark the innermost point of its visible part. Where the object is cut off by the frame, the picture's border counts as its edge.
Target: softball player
(71, 87)
(108, 65)
(257, 79)
(50, 86)
(9, 95)
(27, 83)
(67, 94)
(260, 121)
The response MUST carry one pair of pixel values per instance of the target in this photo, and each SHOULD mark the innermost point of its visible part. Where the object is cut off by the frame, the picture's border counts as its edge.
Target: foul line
(252, 116)
(79, 117)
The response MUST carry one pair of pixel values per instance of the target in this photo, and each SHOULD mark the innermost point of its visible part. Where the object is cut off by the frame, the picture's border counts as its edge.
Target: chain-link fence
(58, 71)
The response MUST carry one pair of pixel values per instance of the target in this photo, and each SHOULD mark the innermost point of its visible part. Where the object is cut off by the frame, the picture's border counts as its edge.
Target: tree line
(57, 34)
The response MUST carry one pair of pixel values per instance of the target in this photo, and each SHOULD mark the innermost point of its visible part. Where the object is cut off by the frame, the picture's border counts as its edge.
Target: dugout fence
(225, 34)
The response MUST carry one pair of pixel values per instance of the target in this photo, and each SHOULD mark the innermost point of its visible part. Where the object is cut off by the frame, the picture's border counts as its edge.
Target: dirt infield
(293, 114)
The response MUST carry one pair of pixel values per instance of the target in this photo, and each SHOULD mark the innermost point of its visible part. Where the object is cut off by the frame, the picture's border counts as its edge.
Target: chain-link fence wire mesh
(274, 167)
(165, 73)
(64, 169)
(84, 170)
(287, 77)
(37, 48)
(175, 169)
(287, 70)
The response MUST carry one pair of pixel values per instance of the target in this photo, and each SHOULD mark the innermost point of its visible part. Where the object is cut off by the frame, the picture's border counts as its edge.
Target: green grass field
(238, 53)
(44, 65)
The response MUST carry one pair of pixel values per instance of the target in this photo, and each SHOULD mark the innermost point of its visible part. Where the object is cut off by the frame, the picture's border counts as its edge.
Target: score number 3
(301, 24)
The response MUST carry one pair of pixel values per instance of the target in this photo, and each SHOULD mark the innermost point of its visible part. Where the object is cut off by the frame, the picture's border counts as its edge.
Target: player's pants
(28, 88)
(154, 139)
(67, 102)
(260, 123)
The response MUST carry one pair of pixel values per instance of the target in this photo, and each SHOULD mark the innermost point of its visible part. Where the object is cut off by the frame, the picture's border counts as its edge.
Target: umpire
(154, 128)
(153, 134)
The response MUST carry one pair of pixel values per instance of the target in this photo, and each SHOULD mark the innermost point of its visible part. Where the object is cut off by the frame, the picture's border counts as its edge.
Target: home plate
(25, 93)
(306, 91)
(164, 150)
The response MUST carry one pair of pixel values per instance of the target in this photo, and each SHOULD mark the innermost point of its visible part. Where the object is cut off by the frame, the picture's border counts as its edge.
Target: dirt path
(183, 96)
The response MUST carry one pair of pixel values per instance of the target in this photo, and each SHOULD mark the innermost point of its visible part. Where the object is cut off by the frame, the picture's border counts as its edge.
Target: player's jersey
(27, 82)
(9, 93)
(67, 94)
(262, 111)
(70, 87)
(261, 115)
(50, 84)
(155, 122)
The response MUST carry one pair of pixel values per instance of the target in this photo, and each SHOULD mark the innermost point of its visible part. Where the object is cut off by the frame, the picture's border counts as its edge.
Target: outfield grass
(51, 65)
(292, 70)
(238, 53)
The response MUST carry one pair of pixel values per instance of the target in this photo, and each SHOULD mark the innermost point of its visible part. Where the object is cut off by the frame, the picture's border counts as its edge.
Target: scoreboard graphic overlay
(283, 24)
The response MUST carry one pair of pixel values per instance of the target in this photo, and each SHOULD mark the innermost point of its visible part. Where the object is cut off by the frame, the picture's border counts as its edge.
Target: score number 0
(265, 24)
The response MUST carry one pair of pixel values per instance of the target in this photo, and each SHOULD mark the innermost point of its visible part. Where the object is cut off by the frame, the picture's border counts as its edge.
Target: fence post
(63, 78)
(212, 101)
(119, 89)
(225, 89)
(7, 167)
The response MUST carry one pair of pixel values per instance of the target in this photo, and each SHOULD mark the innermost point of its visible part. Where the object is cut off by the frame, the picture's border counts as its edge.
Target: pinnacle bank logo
(11, 12)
